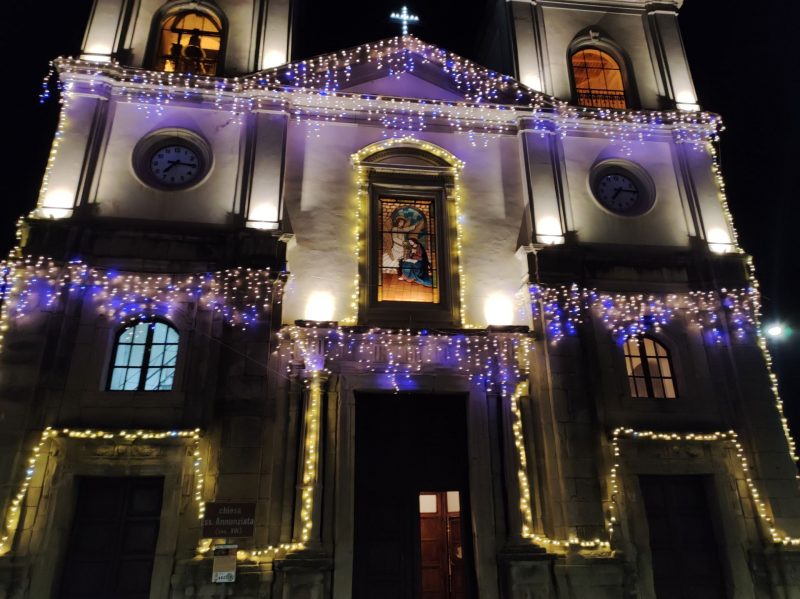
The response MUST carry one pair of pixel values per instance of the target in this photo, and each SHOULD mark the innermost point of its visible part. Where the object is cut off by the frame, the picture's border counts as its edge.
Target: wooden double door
(112, 545)
(410, 542)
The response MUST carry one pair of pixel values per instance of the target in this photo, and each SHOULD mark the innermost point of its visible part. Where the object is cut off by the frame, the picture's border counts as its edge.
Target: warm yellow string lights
(756, 316)
(362, 220)
(310, 472)
(731, 437)
(129, 436)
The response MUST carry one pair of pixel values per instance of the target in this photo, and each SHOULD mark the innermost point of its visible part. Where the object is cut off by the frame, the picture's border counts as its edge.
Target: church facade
(386, 323)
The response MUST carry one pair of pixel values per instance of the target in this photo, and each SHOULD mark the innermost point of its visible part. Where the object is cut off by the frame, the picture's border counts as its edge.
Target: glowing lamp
(498, 309)
(319, 306)
(686, 100)
(719, 241)
(532, 81)
(96, 57)
(777, 331)
(273, 58)
(262, 215)
(548, 231)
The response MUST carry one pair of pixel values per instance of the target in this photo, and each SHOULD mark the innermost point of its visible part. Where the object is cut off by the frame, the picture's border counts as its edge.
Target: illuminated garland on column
(722, 437)
(756, 315)
(13, 511)
(363, 224)
(310, 470)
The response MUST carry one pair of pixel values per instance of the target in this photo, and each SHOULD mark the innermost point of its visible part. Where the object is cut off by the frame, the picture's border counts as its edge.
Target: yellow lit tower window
(190, 43)
(598, 79)
(649, 367)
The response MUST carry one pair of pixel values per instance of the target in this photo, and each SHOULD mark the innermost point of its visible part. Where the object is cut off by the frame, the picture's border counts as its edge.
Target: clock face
(619, 193)
(175, 165)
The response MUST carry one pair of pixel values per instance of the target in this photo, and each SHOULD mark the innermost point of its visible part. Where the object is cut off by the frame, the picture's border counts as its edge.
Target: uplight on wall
(719, 241)
(319, 306)
(498, 309)
(273, 58)
(263, 215)
(532, 81)
(548, 231)
(686, 100)
(57, 203)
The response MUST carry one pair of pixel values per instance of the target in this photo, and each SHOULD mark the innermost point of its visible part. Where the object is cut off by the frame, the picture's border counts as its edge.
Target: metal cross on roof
(405, 18)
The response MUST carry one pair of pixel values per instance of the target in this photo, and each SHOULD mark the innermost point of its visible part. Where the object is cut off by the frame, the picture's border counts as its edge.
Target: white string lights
(630, 315)
(13, 511)
(241, 295)
(315, 91)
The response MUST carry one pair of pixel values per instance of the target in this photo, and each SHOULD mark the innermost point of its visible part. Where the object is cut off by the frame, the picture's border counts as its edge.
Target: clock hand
(171, 164)
(616, 193)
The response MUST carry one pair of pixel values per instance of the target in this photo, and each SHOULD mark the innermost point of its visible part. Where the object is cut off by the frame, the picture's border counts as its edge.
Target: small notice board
(226, 520)
(224, 567)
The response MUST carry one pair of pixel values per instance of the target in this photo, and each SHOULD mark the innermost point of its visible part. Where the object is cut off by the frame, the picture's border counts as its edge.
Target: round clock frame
(172, 159)
(622, 188)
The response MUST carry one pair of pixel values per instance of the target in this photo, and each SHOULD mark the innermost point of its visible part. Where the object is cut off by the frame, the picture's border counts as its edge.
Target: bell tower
(205, 37)
(549, 39)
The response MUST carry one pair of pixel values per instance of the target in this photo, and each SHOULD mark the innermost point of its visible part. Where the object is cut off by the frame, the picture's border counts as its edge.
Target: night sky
(739, 53)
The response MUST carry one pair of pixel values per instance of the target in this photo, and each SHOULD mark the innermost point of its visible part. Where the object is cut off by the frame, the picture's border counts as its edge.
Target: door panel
(406, 444)
(114, 533)
(683, 545)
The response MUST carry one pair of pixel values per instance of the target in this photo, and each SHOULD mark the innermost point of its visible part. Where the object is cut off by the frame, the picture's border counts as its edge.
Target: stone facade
(266, 268)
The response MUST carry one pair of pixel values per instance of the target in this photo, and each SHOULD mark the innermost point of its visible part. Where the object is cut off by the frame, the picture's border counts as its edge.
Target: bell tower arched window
(189, 41)
(145, 355)
(650, 372)
(598, 79)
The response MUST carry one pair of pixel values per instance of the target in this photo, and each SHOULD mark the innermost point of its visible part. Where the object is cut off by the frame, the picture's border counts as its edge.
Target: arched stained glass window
(190, 42)
(145, 355)
(598, 79)
(650, 372)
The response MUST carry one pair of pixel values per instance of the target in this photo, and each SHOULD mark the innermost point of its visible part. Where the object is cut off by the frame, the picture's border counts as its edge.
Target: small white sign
(224, 567)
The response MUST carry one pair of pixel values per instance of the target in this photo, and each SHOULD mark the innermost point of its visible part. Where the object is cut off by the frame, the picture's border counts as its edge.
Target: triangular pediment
(402, 67)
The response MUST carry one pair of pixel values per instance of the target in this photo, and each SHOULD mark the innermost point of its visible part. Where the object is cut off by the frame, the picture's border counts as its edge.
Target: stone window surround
(594, 38)
(169, 9)
(386, 176)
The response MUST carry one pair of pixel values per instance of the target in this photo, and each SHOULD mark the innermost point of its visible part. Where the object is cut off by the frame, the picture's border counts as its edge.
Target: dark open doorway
(409, 448)
(683, 544)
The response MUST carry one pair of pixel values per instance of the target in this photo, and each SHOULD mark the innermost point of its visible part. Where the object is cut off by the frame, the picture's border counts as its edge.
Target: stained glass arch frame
(418, 176)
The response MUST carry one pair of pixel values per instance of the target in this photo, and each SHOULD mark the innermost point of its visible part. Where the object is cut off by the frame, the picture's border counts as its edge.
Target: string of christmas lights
(315, 90)
(362, 185)
(730, 437)
(241, 295)
(631, 315)
(13, 511)
(497, 360)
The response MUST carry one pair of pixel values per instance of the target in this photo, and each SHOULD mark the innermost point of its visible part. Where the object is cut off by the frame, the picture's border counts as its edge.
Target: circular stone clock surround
(622, 187)
(172, 159)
